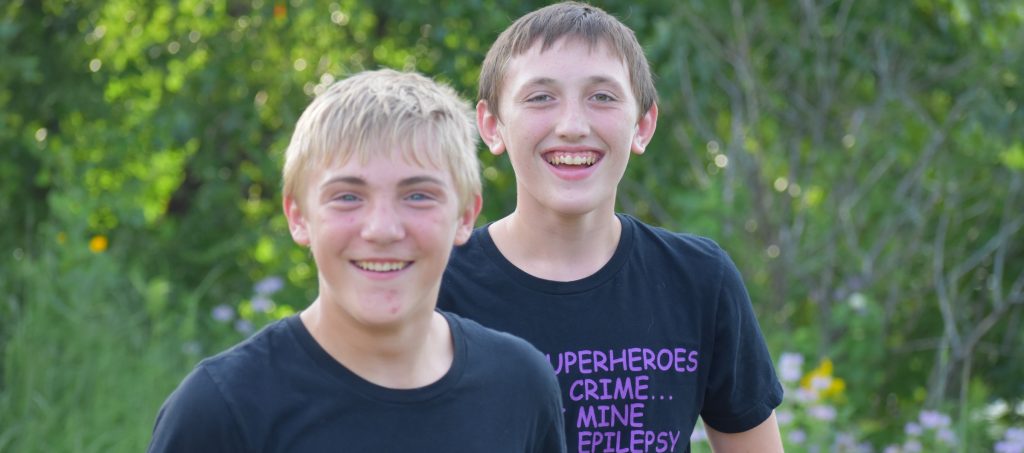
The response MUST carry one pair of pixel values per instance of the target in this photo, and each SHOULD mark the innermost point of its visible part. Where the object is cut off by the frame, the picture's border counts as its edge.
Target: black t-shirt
(662, 333)
(279, 391)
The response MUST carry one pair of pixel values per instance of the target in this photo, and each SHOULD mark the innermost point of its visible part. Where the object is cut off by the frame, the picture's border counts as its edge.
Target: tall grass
(88, 352)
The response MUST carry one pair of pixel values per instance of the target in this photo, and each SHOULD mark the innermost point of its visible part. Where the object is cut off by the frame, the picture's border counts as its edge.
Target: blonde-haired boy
(380, 181)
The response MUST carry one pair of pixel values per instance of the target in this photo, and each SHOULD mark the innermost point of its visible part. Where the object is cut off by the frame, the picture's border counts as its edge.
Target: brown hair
(568, 19)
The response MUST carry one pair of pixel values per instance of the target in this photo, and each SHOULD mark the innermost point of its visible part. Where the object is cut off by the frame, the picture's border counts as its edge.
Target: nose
(383, 224)
(573, 123)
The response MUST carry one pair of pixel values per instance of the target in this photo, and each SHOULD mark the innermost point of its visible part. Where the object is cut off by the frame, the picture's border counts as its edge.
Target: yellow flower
(821, 381)
(62, 238)
(98, 243)
(835, 389)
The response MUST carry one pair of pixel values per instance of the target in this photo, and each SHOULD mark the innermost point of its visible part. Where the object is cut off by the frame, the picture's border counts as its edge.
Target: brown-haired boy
(646, 329)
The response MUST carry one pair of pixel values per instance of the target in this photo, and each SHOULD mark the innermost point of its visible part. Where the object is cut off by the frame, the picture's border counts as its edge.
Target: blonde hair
(382, 111)
(570, 20)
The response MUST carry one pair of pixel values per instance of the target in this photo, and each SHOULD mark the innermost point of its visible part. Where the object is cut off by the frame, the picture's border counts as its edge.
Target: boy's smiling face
(568, 119)
(381, 233)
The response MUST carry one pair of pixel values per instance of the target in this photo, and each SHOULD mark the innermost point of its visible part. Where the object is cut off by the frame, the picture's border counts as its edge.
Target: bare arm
(761, 438)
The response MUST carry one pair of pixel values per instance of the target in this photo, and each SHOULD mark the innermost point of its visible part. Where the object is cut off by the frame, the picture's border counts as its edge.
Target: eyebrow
(357, 181)
(540, 81)
(414, 180)
(591, 80)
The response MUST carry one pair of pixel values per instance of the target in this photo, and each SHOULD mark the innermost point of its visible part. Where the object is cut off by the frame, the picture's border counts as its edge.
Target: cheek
(335, 229)
(431, 228)
(526, 126)
(615, 134)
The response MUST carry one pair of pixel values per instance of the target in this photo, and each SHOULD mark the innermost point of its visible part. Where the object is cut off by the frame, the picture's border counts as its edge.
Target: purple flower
(913, 429)
(1013, 441)
(821, 383)
(1005, 446)
(891, 449)
(802, 395)
(846, 441)
(223, 313)
(822, 412)
(933, 419)
(797, 436)
(1014, 435)
(947, 436)
(790, 366)
(243, 326)
(262, 304)
(784, 417)
(912, 446)
(269, 285)
(698, 435)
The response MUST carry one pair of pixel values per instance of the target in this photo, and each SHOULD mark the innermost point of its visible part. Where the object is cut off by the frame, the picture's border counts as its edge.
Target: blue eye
(539, 98)
(604, 97)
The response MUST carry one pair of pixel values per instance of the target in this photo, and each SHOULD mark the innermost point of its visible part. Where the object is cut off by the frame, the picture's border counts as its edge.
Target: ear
(645, 129)
(467, 220)
(487, 124)
(296, 222)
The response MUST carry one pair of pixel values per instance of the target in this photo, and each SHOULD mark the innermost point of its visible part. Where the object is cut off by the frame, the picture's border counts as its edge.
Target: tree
(862, 162)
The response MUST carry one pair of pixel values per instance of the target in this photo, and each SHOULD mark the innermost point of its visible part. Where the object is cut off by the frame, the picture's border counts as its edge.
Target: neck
(558, 247)
(409, 355)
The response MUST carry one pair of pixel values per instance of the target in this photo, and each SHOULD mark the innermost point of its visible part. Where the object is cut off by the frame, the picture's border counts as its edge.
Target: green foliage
(90, 355)
(861, 161)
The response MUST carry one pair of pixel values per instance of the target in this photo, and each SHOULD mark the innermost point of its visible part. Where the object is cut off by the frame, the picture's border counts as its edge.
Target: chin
(574, 207)
(382, 321)
(391, 317)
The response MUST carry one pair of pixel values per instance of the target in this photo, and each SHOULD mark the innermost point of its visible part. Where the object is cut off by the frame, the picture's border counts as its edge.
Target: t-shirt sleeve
(743, 389)
(552, 429)
(195, 417)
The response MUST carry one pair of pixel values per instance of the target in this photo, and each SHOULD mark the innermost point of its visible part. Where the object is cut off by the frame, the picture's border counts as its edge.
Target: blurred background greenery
(861, 160)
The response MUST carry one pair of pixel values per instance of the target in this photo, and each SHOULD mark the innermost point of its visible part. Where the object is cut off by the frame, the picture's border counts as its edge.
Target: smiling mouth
(562, 159)
(382, 266)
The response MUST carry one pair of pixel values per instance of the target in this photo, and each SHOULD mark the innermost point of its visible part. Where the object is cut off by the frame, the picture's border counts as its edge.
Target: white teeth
(378, 266)
(564, 159)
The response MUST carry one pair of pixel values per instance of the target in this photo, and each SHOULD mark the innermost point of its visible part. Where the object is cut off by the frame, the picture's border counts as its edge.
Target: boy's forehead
(570, 45)
(424, 155)
(538, 59)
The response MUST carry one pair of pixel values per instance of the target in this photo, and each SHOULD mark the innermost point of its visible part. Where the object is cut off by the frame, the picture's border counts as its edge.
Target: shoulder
(261, 365)
(471, 260)
(196, 415)
(501, 348)
(212, 406)
(490, 339)
(687, 252)
(251, 355)
(498, 360)
(650, 237)
(695, 265)
(475, 248)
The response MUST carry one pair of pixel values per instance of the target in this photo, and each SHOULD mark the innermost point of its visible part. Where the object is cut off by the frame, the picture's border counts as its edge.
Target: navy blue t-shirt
(279, 391)
(664, 332)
